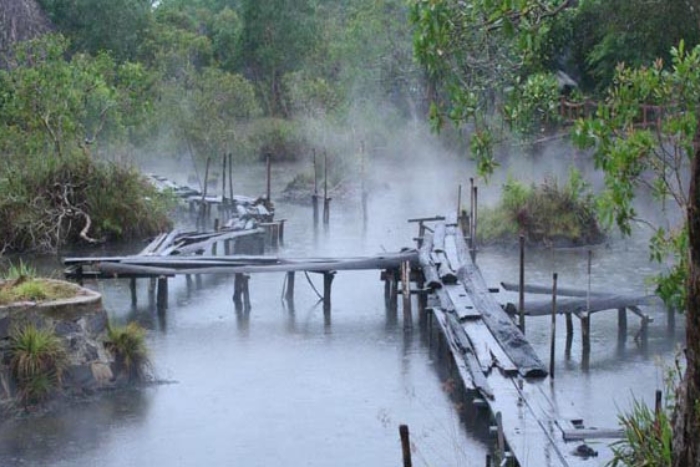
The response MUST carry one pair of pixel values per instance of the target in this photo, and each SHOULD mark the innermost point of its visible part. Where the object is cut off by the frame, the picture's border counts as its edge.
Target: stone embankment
(81, 322)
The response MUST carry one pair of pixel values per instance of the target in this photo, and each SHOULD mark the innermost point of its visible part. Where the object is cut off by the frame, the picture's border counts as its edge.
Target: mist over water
(282, 386)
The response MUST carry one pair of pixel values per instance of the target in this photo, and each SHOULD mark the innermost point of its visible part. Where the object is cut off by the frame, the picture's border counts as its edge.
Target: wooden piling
(203, 202)
(501, 442)
(132, 288)
(621, 324)
(230, 177)
(554, 326)
(586, 332)
(216, 229)
(327, 282)
(269, 176)
(406, 291)
(521, 293)
(326, 199)
(162, 294)
(237, 289)
(223, 183)
(314, 197)
(405, 445)
(569, 333)
(474, 217)
(289, 293)
(246, 291)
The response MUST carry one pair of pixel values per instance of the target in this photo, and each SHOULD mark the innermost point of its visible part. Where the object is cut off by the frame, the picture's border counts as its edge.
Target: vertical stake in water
(223, 182)
(474, 216)
(406, 291)
(203, 204)
(269, 176)
(459, 200)
(586, 319)
(405, 445)
(554, 326)
(230, 176)
(326, 199)
(314, 197)
(521, 288)
(471, 213)
(363, 176)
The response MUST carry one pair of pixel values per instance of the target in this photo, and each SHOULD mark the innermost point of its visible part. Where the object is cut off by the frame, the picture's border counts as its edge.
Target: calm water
(283, 387)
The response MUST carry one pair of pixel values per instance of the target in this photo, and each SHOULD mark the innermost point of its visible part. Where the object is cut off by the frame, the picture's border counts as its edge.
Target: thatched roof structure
(20, 20)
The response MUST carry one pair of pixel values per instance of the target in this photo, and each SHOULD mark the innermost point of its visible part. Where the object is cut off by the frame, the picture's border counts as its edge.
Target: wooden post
(363, 176)
(405, 445)
(203, 206)
(621, 324)
(237, 288)
(459, 200)
(162, 295)
(657, 403)
(246, 291)
(327, 282)
(670, 321)
(554, 326)
(223, 183)
(79, 275)
(289, 295)
(151, 286)
(501, 438)
(569, 333)
(230, 177)
(132, 288)
(326, 199)
(394, 292)
(586, 332)
(314, 197)
(269, 175)
(471, 213)
(474, 216)
(521, 292)
(281, 232)
(406, 290)
(216, 229)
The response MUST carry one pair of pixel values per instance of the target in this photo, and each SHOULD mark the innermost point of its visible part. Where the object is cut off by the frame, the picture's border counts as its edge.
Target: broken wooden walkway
(495, 360)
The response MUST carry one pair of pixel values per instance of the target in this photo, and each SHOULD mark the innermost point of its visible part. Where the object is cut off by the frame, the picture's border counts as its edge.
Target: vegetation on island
(548, 214)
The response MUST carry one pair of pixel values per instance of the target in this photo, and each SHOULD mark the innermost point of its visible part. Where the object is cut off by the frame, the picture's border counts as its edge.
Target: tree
(276, 39)
(114, 26)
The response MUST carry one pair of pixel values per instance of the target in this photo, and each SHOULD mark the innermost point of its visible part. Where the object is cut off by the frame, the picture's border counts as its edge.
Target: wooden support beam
(405, 445)
(327, 282)
(289, 294)
(162, 294)
(132, 288)
(569, 333)
(406, 284)
(621, 324)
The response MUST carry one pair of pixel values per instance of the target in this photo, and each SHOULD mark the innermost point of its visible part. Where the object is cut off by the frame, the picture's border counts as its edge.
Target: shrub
(545, 214)
(647, 438)
(37, 362)
(127, 344)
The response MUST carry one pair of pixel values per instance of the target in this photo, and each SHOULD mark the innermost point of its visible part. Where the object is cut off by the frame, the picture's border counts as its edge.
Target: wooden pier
(496, 364)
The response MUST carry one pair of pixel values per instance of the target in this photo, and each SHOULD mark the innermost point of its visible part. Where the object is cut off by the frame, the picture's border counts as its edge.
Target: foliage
(127, 344)
(282, 139)
(15, 271)
(58, 107)
(655, 157)
(276, 38)
(647, 438)
(546, 214)
(114, 26)
(533, 103)
(37, 362)
(45, 204)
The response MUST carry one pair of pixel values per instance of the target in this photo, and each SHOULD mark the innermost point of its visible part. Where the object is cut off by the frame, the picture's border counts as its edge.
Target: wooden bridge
(489, 354)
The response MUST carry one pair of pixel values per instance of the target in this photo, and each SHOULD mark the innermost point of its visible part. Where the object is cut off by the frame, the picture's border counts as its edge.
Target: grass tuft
(127, 344)
(37, 361)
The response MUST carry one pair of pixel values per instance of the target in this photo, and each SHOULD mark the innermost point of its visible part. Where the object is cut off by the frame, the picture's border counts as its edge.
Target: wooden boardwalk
(494, 359)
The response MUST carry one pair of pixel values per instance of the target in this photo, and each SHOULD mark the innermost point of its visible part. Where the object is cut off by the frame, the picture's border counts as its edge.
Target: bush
(647, 438)
(547, 214)
(47, 203)
(127, 344)
(37, 362)
(281, 139)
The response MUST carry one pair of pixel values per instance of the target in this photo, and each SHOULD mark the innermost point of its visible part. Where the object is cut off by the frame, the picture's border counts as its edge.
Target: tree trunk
(686, 439)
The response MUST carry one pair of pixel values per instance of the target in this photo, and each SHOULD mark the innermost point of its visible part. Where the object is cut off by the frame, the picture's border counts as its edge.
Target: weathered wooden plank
(464, 307)
(432, 280)
(579, 305)
(466, 351)
(499, 323)
(230, 235)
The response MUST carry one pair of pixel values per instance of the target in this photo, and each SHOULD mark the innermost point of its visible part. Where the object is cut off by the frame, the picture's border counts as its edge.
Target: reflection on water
(281, 384)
